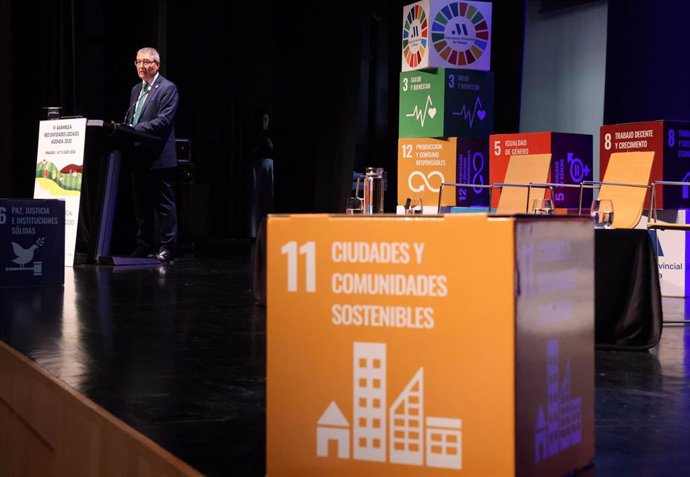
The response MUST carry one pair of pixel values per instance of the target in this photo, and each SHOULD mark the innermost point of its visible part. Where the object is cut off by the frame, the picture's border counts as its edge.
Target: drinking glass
(542, 207)
(602, 213)
(355, 205)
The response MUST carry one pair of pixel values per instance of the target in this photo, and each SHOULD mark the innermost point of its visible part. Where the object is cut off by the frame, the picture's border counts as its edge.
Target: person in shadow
(261, 155)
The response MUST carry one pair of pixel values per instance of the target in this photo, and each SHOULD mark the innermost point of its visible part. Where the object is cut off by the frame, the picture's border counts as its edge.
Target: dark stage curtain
(647, 68)
(330, 82)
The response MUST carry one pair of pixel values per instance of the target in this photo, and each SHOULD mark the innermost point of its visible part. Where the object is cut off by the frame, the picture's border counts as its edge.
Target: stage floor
(178, 353)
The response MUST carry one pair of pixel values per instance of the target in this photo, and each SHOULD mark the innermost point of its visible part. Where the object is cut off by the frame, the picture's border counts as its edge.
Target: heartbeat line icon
(470, 116)
(421, 115)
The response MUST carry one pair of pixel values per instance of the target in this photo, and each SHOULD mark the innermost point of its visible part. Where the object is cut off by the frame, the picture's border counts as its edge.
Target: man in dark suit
(153, 104)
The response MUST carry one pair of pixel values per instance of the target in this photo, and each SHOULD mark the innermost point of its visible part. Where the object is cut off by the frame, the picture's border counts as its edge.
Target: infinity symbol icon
(425, 179)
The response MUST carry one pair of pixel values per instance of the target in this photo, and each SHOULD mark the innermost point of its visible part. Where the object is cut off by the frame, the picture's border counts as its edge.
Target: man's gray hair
(151, 51)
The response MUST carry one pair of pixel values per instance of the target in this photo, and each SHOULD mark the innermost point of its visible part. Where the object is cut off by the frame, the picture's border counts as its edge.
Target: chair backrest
(523, 170)
(628, 202)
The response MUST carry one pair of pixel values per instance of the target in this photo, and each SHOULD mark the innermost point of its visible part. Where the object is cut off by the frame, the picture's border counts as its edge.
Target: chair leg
(440, 196)
(668, 309)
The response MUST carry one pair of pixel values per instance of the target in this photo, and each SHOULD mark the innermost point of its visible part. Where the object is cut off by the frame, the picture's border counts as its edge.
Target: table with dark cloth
(628, 313)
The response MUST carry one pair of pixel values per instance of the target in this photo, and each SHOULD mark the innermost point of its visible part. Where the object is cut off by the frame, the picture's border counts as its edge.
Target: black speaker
(185, 167)
(184, 150)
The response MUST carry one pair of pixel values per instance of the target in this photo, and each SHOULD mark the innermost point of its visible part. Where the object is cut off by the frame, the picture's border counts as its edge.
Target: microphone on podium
(129, 110)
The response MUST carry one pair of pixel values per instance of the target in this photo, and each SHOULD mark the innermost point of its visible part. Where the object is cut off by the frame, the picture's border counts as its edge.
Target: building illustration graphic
(561, 426)
(369, 402)
(401, 434)
(333, 427)
(407, 412)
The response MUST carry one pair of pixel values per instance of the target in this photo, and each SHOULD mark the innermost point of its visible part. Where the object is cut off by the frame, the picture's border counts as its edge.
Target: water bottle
(373, 190)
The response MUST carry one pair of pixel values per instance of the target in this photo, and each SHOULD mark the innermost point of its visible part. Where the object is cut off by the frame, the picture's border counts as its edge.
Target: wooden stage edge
(48, 429)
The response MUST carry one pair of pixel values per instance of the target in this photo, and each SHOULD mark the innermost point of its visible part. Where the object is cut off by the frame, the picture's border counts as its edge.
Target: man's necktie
(140, 103)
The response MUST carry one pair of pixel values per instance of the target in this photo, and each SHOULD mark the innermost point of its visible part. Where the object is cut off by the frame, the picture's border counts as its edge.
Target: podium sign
(32, 242)
(404, 345)
(670, 141)
(672, 248)
(59, 171)
(571, 161)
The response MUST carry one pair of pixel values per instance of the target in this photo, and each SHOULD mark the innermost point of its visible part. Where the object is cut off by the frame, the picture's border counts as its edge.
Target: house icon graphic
(401, 434)
(333, 426)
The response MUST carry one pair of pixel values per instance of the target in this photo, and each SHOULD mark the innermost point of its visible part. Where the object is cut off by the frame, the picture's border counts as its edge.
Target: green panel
(421, 104)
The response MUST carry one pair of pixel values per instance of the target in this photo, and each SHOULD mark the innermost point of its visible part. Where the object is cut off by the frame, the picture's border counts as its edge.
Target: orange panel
(503, 146)
(383, 353)
(423, 163)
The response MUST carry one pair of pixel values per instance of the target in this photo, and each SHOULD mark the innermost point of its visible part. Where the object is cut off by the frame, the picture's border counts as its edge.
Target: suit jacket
(157, 119)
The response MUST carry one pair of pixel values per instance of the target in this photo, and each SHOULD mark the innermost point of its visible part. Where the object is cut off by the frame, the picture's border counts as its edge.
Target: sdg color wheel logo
(460, 33)
(415, 42)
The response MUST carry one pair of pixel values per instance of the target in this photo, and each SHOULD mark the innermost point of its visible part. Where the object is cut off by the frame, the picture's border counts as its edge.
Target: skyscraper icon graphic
(369, 403)
(401, 434)
(561, 426)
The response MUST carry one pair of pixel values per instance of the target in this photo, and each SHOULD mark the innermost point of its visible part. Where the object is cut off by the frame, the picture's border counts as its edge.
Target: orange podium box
(406, 346)
(571, 161)
(670, 141)
(424, 163)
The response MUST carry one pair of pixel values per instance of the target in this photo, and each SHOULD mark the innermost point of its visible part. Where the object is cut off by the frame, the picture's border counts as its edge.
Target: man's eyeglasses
(143, 62)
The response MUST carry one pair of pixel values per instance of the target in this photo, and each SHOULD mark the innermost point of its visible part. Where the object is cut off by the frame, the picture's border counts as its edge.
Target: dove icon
(24, 255)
